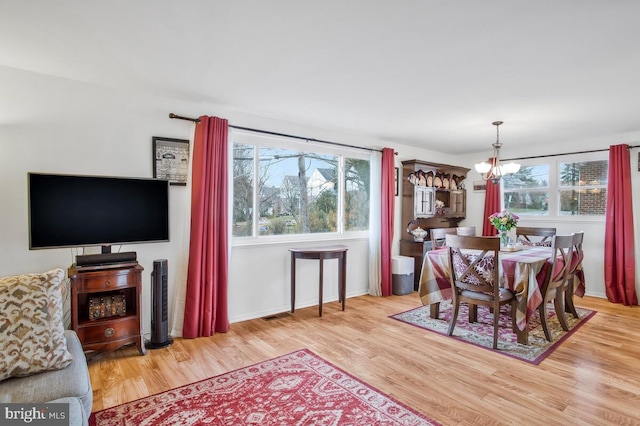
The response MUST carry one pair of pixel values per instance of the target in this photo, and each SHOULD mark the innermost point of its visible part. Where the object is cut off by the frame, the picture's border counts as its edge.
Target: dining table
(522, 271)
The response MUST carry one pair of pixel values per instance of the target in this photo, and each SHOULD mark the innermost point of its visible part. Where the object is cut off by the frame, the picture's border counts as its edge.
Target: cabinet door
(423, 201)
(458, 203)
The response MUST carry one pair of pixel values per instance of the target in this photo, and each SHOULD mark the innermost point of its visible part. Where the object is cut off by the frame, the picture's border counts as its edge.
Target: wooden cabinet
(424, 201)
(419, 198)
(420, 201)
(454, 201)
(91, 285)
(458, 203)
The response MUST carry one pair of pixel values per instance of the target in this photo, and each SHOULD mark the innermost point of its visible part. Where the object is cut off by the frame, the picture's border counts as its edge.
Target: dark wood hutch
(433, 196)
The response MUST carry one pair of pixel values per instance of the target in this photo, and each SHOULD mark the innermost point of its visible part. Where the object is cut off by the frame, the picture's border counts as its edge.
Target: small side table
(321, 253)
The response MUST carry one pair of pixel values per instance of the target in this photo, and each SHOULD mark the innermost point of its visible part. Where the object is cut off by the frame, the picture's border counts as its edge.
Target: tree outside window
(577, 188)
(527, 192)
(297, 192)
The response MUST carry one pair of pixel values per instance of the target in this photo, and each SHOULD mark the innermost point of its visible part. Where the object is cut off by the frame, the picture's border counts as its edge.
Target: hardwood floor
(593, 378)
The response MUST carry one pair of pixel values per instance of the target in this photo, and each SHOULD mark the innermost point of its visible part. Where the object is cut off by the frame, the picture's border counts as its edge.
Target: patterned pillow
(31, 330)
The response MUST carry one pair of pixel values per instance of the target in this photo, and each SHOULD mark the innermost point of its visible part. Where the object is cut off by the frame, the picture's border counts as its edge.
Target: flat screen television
(80, 211)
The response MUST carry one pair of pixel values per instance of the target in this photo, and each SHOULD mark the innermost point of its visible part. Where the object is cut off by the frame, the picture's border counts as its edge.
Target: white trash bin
(402, 275)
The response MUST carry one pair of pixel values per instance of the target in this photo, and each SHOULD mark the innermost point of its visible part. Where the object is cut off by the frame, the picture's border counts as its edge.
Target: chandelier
(493, 170)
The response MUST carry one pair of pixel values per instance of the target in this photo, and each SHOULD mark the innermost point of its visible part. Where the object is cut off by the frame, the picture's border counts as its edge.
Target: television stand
(94, 287)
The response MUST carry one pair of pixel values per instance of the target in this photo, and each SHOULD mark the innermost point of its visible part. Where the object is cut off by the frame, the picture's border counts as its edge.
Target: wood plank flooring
(593, 378)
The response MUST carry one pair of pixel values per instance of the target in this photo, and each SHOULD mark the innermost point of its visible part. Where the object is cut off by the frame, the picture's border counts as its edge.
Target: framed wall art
(479, 186)
(171, 160)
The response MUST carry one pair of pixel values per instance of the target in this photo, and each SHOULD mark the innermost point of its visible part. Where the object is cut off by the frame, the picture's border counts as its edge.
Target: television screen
(77, 211)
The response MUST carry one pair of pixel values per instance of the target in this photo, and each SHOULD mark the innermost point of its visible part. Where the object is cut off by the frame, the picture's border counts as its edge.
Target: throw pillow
(31, 330)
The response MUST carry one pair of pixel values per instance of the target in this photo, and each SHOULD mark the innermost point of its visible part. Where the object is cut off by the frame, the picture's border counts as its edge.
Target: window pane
(528, 177)
(242, 190)
(583, 188)
(296, 192)
(585, 173)
(357, 185)
(527, 202)
(588, 202)
(526, 192)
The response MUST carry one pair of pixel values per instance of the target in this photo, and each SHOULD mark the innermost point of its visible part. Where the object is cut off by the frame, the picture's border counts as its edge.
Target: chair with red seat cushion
(469, 231)
(555, 283)
(543, 236)
(438, 236)
(575, 274)
(473, 272)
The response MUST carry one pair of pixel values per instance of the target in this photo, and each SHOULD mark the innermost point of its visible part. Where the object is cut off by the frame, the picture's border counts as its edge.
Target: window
(558, 187)
(583, 188)
(283, 187)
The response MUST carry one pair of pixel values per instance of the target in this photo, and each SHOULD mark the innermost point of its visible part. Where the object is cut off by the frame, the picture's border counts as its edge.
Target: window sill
(299, 238)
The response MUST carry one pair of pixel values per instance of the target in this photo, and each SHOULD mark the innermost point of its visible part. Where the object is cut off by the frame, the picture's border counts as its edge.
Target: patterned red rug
(481, 332)
(295, 389)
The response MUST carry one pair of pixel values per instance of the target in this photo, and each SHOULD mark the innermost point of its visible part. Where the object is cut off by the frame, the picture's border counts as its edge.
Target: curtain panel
(619, 251)
(491, 205)
(206, 310)
(375, 224)
(388, 209)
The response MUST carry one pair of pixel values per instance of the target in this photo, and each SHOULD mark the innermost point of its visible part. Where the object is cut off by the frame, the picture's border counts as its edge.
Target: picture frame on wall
(171, 159)
(479, 186)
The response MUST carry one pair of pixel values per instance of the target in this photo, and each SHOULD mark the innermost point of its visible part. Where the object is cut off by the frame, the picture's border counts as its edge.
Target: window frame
(554, 187)
(258, 140)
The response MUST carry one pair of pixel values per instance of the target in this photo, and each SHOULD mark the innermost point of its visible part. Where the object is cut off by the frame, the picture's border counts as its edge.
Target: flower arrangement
(504, 220)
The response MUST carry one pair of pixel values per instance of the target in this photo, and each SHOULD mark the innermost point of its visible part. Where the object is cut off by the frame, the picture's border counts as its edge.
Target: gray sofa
(70, 385)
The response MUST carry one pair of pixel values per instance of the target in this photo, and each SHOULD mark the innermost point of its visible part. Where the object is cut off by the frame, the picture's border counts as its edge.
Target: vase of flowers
(504, 221)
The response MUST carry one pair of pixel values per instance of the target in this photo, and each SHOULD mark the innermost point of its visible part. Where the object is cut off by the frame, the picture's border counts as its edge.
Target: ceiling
(433, 74)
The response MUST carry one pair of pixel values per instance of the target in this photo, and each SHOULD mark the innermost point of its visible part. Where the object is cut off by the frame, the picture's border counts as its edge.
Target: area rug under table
(481, 332)
(295, 389)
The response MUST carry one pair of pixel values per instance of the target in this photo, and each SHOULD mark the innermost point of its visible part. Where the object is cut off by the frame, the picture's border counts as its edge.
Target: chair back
(542, 236)
(473, 264)
(438, 236)
(562, 246)
(578, 255)
(468, 231)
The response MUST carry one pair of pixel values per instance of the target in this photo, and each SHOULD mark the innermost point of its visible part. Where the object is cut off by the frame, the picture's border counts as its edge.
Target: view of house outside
(280, 191)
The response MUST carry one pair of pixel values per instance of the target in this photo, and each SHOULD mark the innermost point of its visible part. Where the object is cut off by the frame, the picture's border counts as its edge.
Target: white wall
(50, 124)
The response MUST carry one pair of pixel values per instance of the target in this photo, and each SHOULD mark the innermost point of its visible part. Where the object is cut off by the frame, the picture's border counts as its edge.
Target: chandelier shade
(493, 170)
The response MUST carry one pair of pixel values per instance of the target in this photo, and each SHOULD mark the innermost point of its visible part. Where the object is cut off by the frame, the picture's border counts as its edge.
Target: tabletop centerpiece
(504, 221)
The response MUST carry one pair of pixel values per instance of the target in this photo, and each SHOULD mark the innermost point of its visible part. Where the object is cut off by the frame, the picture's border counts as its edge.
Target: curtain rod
(249, 129)
(565, 153)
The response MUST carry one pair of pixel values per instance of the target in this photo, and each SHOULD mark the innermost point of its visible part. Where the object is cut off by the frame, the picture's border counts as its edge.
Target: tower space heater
(159, 312)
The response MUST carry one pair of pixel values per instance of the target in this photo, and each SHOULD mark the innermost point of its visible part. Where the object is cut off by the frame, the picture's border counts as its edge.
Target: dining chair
(467, 231)
(543, 235)
(574, 273)
(554, 285)
(474, 276)
(438, 236)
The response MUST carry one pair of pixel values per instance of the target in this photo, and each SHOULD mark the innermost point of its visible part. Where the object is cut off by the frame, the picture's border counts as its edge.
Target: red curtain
(619, 257)
(491, 206)
(388, 206)
(206, 294)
